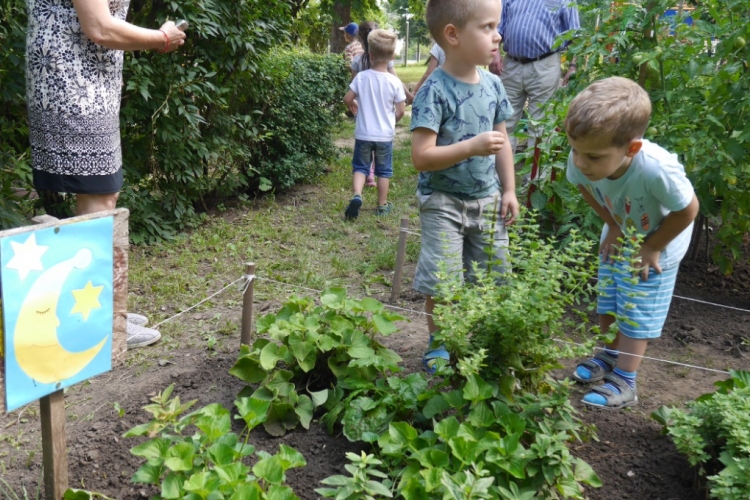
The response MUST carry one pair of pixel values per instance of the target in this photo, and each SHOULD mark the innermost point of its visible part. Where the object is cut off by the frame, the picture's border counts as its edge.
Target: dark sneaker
(384, 209)
(352, 211)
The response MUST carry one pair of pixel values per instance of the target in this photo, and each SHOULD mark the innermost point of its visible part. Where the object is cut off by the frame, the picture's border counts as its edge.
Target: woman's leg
(92, 203)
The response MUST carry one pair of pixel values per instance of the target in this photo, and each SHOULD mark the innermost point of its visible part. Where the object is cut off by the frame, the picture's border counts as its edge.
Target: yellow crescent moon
(37, 348)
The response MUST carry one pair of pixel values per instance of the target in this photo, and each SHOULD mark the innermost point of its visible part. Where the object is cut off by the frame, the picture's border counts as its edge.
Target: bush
(222, 116)
(714, 434)
(15, 171)
(698, 80)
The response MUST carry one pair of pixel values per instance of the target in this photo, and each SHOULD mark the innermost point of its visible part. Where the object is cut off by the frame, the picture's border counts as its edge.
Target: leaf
(154, 449)
(180, 457)
(305, 353)
(281, 418)
(584, 473)
(248, 370)
(270, 470)
(333, 298)
(371, 305)
(148, 473)
(290, 457)
(270, 355)
(447, 428)
(376, 488)
(252, 410)
(221, 454)
(435, 406)
(304, 410)
(171, 487)
(319, 398)
(383, 325)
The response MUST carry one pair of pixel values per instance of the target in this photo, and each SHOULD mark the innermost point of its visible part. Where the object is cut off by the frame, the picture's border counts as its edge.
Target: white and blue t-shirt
(458, 111)
(654, 185)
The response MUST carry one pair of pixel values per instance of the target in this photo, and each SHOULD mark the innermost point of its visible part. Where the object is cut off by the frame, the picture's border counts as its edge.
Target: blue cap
(350, 29)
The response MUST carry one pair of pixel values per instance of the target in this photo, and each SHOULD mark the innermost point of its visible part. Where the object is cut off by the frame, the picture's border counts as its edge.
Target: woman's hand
(174, 38)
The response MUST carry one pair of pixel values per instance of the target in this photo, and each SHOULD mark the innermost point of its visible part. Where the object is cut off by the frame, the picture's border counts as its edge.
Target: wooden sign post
(64, 300)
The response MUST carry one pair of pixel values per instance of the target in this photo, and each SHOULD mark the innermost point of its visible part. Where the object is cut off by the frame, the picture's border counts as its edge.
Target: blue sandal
(429, 360)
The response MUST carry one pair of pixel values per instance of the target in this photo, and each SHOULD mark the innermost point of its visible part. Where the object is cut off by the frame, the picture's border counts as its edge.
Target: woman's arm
(432, 64)
(101, 28)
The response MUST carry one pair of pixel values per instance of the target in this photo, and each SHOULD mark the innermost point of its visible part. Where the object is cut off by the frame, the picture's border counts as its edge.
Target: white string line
(320, 291)
(675, 296)
(199, 303)
(554, 339)
(711, 304)
(648, 357)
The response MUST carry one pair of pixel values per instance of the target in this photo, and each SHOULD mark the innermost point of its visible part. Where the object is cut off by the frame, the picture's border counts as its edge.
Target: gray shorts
(456, 232)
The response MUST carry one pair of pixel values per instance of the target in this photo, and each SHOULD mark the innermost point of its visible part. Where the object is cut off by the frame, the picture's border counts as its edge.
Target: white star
(27, 257)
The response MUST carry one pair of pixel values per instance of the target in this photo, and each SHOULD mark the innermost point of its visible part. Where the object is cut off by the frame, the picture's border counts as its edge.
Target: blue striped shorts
(644, 305)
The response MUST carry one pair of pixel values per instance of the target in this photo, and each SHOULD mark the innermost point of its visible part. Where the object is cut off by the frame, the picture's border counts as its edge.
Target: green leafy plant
(208, 464)
(308, 348)
(358, 485)
(519, 317)
(714, 433)
(690, 70)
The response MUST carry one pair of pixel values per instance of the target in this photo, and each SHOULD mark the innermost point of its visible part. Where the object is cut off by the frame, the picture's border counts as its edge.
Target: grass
(299, 238)
(410, 74)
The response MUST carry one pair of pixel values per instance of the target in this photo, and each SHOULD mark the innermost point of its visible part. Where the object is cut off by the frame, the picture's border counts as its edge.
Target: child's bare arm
(671, 227)
(610, 245)
(400, 110)
(350, 99)
(507, 175)
(427, 156)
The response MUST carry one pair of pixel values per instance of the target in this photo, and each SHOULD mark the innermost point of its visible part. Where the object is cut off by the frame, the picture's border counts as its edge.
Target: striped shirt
(352, 50)
(529, 27)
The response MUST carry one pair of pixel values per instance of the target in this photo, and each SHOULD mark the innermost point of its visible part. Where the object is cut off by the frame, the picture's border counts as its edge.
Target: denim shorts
(364, 151)
(645, 304)
(456, 232)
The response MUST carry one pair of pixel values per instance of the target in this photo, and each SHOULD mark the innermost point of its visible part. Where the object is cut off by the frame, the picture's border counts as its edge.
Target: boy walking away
(377, 100)
(633, 185)
(353, 47)
(461, 149)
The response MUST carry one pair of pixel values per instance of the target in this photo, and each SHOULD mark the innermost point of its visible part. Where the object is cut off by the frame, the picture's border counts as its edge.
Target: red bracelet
(166, 42)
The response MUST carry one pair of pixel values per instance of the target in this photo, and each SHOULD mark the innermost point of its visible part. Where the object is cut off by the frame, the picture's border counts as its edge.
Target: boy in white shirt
(377, 100)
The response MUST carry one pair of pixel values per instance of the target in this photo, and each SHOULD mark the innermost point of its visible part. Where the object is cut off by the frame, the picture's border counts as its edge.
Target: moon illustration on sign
(37, 348)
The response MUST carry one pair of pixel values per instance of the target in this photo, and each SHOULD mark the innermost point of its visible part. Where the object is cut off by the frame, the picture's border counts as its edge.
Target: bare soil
(632, 457)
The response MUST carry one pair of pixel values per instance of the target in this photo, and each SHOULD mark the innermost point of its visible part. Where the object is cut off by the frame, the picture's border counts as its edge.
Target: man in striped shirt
(530, 69)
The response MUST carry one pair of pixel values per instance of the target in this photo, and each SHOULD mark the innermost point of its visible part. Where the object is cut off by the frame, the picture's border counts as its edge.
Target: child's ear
(450, 32)
(634, 147)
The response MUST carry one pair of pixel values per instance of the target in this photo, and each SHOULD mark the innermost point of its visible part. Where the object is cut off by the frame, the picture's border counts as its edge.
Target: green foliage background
(699, 82)
(224, 116)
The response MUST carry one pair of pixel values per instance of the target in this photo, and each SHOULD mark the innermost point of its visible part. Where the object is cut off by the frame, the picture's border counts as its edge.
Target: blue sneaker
(352, 211)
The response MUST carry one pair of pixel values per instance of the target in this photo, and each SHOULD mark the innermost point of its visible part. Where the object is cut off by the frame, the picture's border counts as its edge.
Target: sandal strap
(606, 358)
(626, 392)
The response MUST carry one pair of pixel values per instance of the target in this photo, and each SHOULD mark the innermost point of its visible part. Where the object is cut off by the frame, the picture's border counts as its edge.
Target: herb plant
(714, 433)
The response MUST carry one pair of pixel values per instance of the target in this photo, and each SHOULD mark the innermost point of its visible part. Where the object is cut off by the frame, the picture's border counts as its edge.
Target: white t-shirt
(654, 185)
(438, 53)
(377, 93)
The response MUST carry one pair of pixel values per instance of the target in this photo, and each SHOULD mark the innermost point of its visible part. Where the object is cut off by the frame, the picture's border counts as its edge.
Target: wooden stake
(55, 459)
(247, 306)
(400, 256)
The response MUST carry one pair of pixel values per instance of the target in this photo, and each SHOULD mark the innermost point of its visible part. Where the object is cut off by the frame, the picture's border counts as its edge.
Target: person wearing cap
(530, 69)
(353, 48)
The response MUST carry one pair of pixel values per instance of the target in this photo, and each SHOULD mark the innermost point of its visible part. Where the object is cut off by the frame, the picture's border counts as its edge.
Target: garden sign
(63, 285)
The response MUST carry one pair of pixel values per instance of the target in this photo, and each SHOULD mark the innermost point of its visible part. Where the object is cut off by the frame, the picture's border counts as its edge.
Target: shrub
(714, 434)
(698, 80)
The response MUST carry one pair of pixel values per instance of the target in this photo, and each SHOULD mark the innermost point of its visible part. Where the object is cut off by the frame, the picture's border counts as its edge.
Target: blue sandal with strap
(429, 360)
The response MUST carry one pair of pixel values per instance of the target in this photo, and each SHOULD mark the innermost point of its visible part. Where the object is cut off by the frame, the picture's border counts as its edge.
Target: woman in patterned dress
(73, 88)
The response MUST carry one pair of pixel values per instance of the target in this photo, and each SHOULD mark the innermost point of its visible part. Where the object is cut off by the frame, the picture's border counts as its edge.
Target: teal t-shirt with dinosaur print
(458, 111)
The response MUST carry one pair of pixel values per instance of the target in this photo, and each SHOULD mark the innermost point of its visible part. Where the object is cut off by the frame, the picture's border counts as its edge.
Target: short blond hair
(382, 44)
(441, 13)
(614, 107)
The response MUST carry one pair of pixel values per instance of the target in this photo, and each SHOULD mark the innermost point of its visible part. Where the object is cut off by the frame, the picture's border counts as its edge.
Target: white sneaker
(137, 319)
(139, 336)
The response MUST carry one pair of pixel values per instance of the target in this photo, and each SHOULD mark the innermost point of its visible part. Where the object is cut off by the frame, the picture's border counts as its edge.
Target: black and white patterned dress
(73, 90)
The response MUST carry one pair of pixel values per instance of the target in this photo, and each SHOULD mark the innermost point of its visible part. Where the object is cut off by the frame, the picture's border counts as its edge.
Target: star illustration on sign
(87, 298)
(27, 257)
